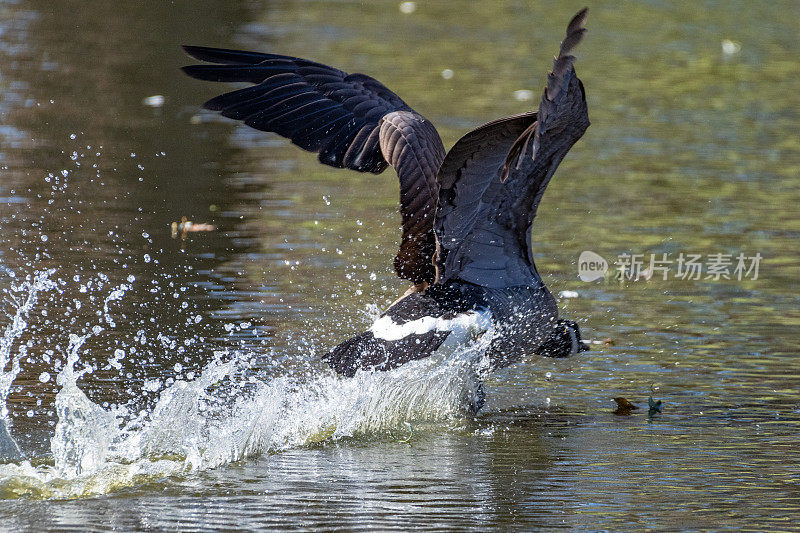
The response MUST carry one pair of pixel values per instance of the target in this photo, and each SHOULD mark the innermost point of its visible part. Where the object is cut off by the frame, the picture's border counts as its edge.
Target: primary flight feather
(467, 214)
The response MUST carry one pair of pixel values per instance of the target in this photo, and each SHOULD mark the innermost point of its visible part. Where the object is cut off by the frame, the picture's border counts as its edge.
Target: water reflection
(691, 149)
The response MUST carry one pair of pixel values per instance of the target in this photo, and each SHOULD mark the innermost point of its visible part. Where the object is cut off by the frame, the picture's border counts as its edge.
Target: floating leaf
(606, 342)
(655, 406)
(624, 406)
(186, 226)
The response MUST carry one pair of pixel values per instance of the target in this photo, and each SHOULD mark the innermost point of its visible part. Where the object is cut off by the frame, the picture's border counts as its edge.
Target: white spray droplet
(156, 100)
(523, 95)
(406, 8)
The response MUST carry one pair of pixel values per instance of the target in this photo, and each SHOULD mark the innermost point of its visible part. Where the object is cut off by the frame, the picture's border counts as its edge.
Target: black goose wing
(473, 240)
(351, 120)
(562, 119)
(492, 181)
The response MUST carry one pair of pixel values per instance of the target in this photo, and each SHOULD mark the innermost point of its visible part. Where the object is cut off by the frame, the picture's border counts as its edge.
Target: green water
(691, 150)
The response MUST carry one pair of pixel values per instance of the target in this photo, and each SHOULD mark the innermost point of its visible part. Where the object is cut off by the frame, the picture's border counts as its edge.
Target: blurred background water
(693, 148)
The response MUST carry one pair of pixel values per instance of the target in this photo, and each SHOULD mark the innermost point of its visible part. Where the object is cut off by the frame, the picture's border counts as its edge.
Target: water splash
(84, 430)
(23, 297)
(94, 453)
(226, 414)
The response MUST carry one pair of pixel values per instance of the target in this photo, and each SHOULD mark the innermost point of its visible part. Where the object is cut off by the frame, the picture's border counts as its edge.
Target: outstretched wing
(562, 120)
(352, 121)
(473, 240)
(493, 179)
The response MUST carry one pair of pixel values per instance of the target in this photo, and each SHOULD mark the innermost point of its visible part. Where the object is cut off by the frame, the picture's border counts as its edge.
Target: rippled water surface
(152, 381)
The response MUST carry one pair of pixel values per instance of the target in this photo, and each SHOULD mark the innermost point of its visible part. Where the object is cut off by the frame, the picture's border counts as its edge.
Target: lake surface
(174, 383)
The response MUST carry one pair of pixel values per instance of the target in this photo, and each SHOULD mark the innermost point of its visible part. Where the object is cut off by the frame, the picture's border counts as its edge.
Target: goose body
(467, 214)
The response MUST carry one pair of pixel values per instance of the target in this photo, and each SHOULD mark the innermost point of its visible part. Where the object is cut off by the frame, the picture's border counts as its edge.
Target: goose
(467, 213)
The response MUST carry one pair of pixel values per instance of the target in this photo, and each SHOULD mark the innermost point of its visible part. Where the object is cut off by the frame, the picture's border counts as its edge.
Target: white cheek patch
(463, 325)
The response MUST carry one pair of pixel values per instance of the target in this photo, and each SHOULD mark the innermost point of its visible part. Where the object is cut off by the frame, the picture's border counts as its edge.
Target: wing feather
(470, 199)
(493, 179)
(351, 120)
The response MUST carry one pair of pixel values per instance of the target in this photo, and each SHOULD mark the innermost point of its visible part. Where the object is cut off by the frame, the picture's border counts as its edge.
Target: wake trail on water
(222, 416)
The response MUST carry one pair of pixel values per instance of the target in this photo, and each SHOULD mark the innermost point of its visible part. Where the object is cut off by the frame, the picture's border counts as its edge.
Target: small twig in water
(604, 342)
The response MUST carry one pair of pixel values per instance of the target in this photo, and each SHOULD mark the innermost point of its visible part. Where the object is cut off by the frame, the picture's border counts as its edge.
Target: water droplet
(523, 95)
(730, 48)
(406, 8)
(156, 100)
(44, 377)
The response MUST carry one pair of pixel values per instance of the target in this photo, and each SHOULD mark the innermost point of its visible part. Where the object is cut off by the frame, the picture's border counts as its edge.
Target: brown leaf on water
(624, 406)
(186, 226)
(606, 342)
